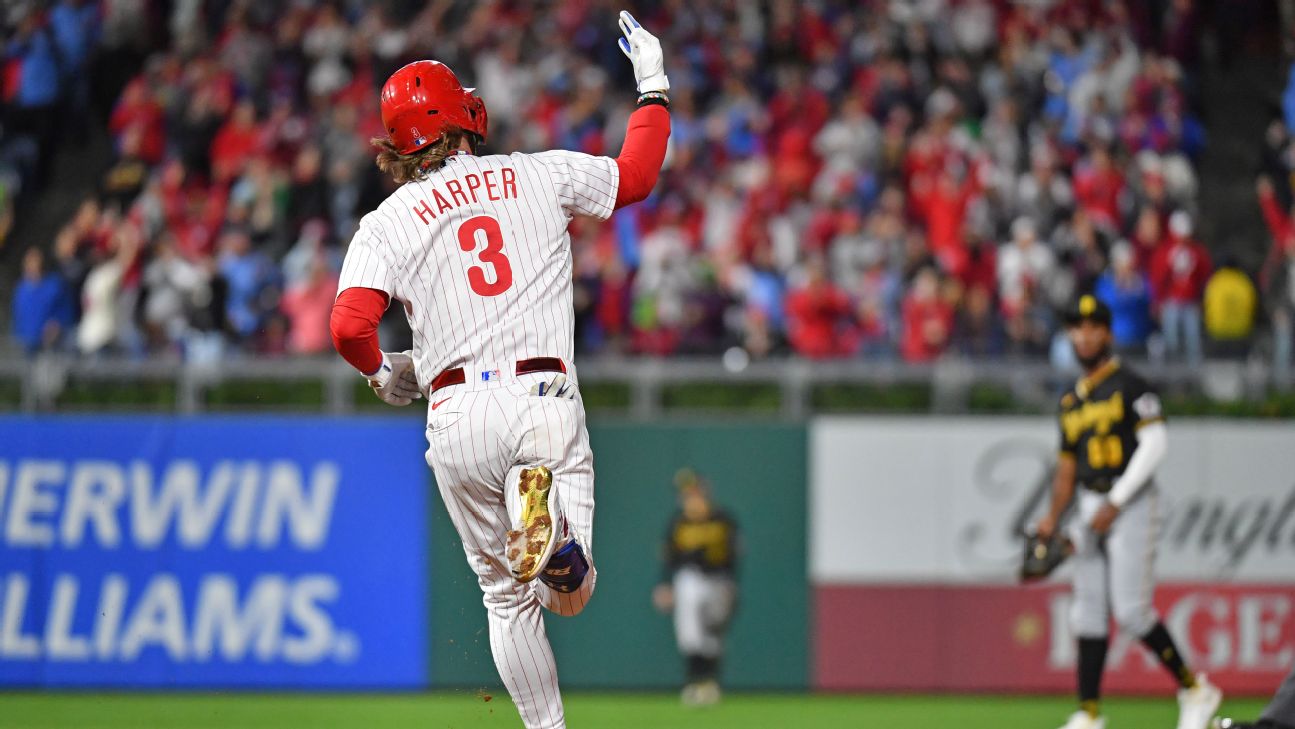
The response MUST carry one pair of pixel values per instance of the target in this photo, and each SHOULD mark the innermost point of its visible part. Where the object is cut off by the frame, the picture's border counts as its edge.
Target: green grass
(468, 710)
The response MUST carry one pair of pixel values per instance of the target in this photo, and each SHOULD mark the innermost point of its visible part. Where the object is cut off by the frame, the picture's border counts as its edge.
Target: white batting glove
(557, 387)
(644, 51)
(394, 383)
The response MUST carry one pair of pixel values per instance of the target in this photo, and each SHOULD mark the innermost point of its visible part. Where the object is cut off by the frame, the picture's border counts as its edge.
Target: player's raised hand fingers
(625, 47)
(627, 22)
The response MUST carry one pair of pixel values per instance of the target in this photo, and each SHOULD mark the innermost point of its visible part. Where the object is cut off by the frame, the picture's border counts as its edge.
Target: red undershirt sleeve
(642, 154)
(354, 326)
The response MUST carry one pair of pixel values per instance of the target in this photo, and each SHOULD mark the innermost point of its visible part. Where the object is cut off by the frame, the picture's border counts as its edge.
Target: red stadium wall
(1004, 638)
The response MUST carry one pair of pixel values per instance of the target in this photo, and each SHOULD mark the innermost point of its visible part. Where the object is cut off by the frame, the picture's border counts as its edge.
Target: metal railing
(1031, 383)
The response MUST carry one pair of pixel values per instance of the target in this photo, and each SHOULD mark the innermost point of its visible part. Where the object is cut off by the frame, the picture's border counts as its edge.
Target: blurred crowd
(895, 178)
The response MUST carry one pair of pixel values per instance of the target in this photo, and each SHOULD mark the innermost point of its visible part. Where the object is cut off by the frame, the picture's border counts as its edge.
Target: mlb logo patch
(489, 375)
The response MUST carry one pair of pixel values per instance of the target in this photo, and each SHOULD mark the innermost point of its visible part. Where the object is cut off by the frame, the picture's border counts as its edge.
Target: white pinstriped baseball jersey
(480, 257)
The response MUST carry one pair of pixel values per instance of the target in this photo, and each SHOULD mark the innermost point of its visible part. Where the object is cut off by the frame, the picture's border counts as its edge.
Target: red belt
(456, 376)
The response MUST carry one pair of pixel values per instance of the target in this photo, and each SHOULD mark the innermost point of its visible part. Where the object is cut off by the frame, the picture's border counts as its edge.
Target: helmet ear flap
(475, 107)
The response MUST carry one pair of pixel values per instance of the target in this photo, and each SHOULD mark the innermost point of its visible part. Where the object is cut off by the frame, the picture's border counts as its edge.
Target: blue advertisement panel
(213, 552)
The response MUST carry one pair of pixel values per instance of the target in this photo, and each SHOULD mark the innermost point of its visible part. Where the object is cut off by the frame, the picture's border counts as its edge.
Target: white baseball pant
(481, 435)
(1117, 574)
(703, 605)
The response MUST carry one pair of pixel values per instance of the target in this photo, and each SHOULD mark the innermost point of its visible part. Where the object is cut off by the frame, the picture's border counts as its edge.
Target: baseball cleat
(707, 693)
(566, 569)
(701, 693)
(689, 695)
(1198, 704)
(530, 547)
(1230, 724)
(1083, 720)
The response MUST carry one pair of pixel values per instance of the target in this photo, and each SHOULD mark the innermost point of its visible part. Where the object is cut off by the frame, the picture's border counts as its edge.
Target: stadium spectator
(308, 305)
(1277, 281)
(1229, 304)
(42, 307)
(237, 142)
(877, 291)
(172, 284)
(978, 330)
(141, 120)
(941, 200)
(1085, 245)
(928, 319)
(75, 27)
(1099, 189)
(249, 275)
(1041, 194)
(820, 320)
(1148, 234)
(1025, 268)
(103, 321)
(1281, 223)
(1126, 290)
(1179, 272)
(1023, 264)
(32, 66)
(664, 280)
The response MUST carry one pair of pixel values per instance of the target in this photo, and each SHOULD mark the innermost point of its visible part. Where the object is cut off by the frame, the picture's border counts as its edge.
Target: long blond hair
(417, 165)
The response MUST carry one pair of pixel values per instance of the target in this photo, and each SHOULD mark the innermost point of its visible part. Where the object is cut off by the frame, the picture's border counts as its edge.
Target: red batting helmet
(422, 100)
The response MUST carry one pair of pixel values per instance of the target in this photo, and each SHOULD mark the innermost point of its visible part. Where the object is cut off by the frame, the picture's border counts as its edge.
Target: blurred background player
(698, 587)
(1113, 437)
(1280, 713)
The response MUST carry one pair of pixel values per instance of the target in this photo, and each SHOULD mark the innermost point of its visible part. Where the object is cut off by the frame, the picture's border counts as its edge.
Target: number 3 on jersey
(492, 255)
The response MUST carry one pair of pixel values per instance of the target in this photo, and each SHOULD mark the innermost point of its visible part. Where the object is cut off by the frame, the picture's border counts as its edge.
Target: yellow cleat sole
(530, 547)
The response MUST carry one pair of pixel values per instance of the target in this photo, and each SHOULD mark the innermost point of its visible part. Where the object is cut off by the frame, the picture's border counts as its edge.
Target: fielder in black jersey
(697, 585)
(1100, 418)
(1113, 437)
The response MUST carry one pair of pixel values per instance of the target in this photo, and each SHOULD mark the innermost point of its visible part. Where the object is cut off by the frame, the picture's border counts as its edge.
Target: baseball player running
(701, 550)
(1113, 437)
(475, 248)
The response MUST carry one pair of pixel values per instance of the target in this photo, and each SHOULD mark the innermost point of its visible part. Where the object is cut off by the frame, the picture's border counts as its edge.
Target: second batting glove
(394, 383)
(644, 51)
(557, 387)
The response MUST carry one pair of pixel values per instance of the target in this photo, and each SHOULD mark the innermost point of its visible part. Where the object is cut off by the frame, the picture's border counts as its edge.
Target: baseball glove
(1043, 556)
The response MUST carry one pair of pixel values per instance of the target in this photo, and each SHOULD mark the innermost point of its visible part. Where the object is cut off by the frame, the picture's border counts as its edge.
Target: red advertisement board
(1006, 638)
